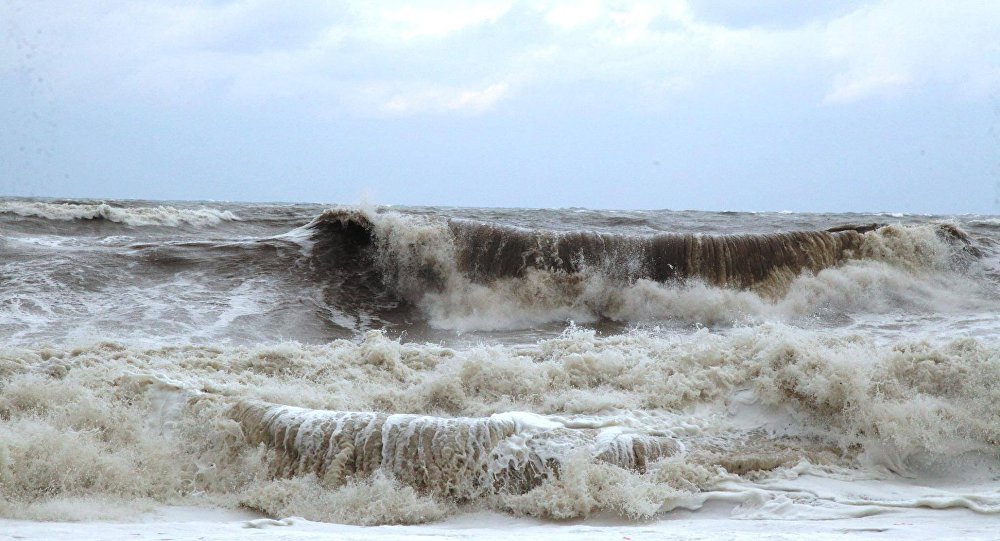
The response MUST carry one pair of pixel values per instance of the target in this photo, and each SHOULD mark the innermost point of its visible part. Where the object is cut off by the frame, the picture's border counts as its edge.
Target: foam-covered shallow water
(403, 366)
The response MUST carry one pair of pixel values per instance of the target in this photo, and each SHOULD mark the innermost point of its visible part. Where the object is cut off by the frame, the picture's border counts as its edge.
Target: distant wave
(134, 216)
(986, 222)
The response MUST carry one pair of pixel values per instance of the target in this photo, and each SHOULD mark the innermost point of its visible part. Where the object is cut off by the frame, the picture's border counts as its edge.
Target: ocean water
(383, 365)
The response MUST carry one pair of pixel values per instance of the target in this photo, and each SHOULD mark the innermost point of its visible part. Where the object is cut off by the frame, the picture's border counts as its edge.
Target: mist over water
(303, 360)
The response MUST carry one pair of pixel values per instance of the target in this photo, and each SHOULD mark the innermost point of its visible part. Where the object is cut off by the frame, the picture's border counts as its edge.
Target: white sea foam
(116, 424)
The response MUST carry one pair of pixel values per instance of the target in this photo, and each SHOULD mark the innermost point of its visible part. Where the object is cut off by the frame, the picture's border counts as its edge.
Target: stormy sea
(196, 368)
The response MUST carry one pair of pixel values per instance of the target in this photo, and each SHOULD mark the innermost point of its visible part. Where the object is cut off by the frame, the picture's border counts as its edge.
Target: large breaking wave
(469, 275)
(349, 270)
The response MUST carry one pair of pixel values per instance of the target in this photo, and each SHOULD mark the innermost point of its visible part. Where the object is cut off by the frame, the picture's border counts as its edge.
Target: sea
(387, 366)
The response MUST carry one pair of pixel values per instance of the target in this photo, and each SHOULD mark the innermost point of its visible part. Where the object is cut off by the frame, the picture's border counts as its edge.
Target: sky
(760, 105)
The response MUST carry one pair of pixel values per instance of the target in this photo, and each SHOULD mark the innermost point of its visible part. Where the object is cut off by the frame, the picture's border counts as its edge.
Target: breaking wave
(456, 458)
(634, 424)
(467, 275)
(133, 216)
(351, 270)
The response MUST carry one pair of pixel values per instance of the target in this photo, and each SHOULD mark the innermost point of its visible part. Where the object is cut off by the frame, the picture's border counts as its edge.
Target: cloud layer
(711, 104)
(447, 56)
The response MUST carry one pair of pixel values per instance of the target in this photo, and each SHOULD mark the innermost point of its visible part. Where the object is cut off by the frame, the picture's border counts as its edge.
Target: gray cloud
(534, 103)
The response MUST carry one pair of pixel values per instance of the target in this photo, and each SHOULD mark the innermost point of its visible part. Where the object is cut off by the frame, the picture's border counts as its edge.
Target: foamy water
(405, 366)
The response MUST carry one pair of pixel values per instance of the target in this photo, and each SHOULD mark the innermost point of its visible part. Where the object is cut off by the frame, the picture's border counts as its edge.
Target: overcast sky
(699, 104)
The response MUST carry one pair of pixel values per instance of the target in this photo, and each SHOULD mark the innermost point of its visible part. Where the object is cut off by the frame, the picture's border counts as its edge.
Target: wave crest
(468, 275)
(133, 216)
(457, 458)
